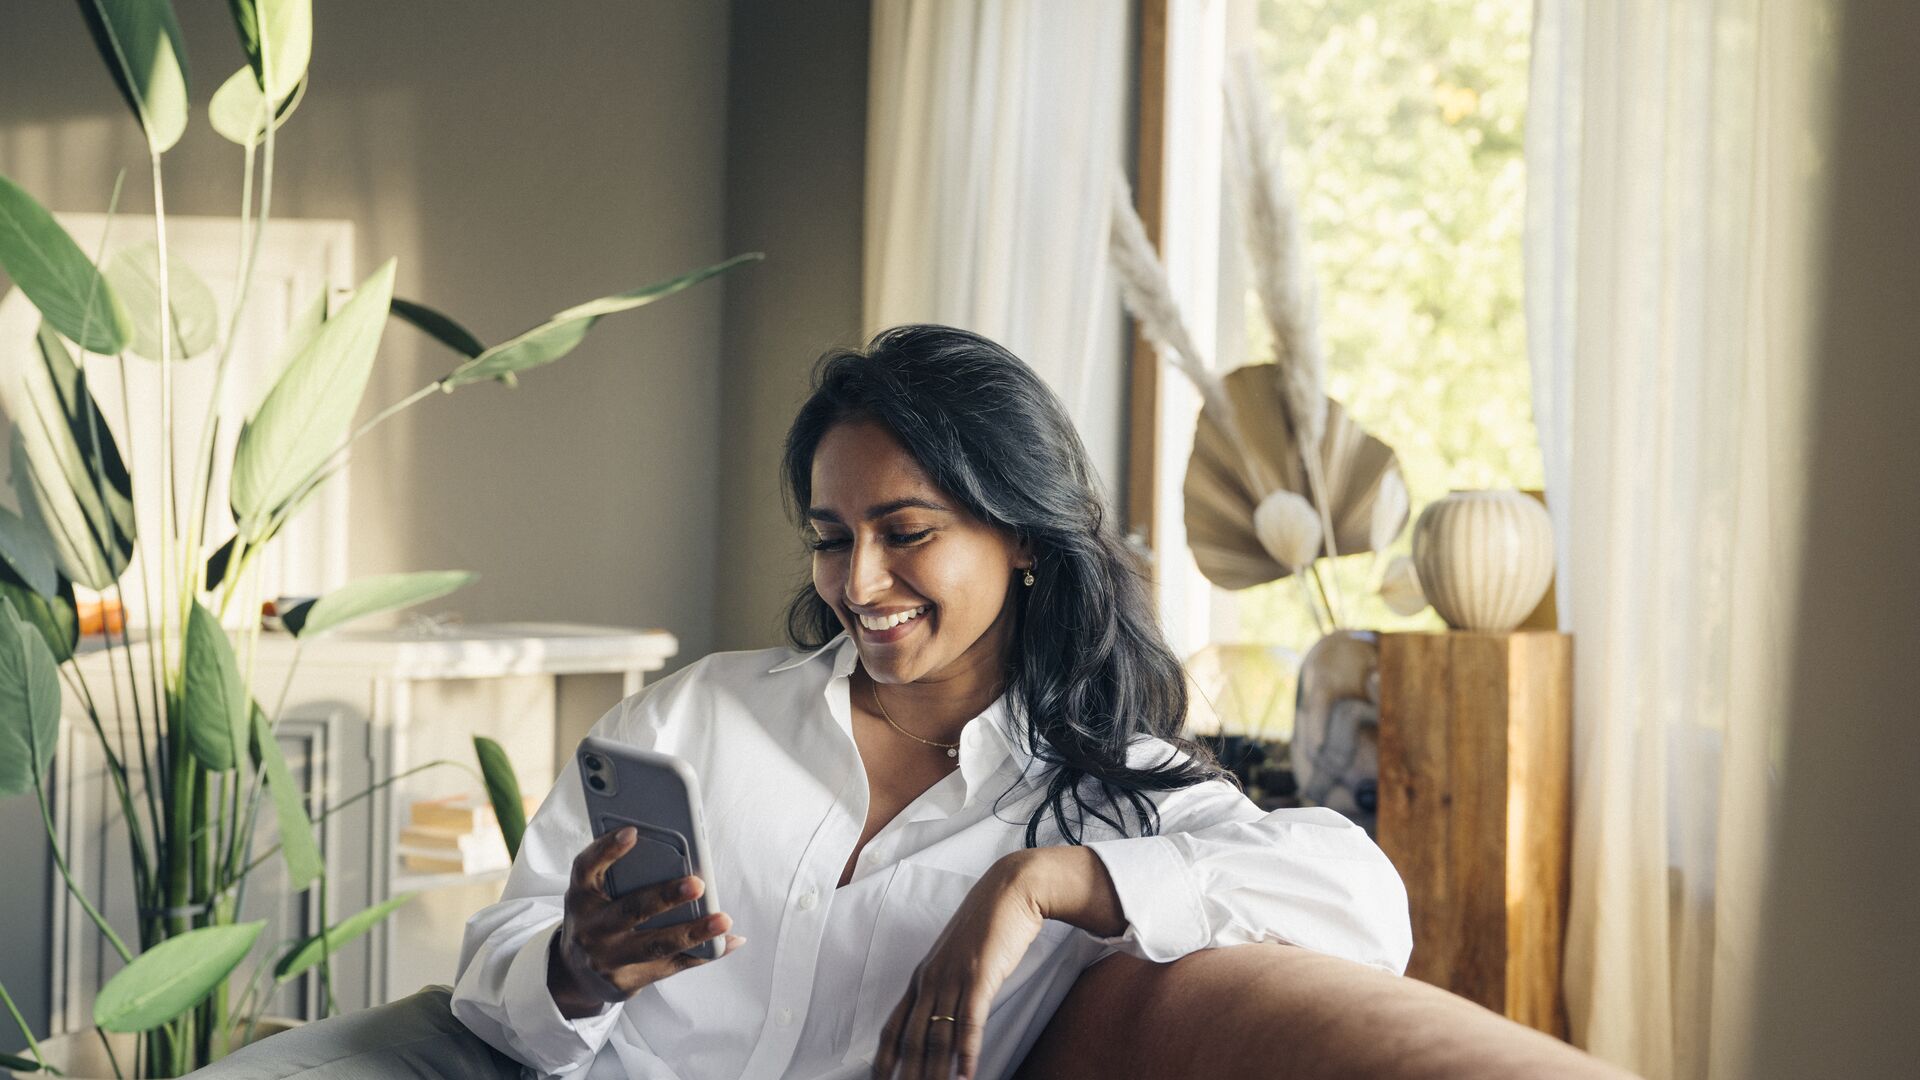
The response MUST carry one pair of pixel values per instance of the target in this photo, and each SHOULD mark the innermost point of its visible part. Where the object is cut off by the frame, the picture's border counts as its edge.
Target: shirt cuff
(553, 1043)
(1157, 896)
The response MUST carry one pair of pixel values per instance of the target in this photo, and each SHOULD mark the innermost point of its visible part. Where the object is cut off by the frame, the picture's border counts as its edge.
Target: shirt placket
(804, 919)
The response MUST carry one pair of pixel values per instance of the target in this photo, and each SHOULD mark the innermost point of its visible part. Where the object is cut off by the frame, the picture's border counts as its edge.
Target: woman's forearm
(1070, 884)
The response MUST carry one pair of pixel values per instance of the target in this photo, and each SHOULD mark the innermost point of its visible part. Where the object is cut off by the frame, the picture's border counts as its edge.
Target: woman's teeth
(887, 622)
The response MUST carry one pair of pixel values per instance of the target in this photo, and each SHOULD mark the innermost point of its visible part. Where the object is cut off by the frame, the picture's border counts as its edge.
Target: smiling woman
(936, 469)
(961, 789)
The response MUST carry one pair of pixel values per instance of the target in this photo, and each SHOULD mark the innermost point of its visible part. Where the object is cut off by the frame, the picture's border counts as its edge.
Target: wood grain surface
(1475, 772)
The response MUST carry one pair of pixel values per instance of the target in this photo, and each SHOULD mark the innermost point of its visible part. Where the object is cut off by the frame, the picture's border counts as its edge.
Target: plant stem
(60, 862)
(251, 238)
(107, 1045)
(77, 682)
(330, 811)
(326, 949)
(147, 780)
(1333, 616)
(154, 668)
(169, 512)
(19, 1021)
(245, 848)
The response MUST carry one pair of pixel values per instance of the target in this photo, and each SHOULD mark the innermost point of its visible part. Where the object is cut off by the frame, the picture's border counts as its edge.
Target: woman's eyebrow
(878, 510)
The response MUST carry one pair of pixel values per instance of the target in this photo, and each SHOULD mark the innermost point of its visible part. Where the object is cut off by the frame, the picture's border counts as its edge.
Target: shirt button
(808, 899)
(785, 1016)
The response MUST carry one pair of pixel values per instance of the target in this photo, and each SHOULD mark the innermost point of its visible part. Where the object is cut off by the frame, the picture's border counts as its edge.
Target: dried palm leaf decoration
(1280, 475)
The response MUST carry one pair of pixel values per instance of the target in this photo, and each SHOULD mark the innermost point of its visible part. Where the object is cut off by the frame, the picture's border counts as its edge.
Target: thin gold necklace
(952, 748)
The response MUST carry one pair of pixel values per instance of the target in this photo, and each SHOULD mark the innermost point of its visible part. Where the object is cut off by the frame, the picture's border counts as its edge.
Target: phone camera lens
(593, 762)
(596, 783)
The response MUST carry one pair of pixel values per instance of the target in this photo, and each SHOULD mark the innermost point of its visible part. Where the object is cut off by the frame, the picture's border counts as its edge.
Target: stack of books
(454, 835)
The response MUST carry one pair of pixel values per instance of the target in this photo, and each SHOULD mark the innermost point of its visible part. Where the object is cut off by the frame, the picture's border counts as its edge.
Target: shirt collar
(800, 658)
(980, 754)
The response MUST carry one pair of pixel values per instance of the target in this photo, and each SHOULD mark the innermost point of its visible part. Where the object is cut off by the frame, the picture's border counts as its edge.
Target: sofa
(1268, 1011)
(1273, 1011)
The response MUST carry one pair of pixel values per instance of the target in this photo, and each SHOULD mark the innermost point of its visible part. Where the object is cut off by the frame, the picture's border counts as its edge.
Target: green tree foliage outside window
(1404, 123)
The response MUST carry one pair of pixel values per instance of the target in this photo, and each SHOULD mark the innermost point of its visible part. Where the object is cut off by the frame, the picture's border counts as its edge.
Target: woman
(960, 789)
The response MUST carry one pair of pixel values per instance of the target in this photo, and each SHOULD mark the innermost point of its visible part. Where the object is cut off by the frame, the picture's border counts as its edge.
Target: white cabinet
(360, 708)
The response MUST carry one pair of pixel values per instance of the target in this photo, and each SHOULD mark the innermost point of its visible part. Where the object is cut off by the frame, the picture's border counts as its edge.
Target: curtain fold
(993, 129)
(1671, 159)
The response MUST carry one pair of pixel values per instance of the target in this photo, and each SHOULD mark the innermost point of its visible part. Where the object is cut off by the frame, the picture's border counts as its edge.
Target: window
(1404, 136)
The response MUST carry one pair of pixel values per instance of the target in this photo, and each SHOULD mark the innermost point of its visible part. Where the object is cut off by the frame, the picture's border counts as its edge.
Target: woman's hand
(599, 957)
(973, 956)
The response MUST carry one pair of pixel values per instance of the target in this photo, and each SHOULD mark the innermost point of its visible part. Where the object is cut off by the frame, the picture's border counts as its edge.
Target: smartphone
(659, 795)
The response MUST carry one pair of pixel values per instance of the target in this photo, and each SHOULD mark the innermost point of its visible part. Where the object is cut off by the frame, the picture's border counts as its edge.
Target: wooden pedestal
(1475, 774)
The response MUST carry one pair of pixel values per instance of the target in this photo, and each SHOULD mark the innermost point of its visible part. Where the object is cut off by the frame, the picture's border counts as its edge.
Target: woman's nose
(867, 576)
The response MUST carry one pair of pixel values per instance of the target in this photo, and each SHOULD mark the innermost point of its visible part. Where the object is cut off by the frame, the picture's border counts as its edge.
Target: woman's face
(918, 582)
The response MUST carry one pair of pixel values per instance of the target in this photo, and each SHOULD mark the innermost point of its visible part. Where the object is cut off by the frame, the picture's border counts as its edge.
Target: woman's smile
(891, 627)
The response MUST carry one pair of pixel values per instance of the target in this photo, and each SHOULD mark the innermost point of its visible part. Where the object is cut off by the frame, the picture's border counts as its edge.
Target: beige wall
(796, 144)
(1841, 939)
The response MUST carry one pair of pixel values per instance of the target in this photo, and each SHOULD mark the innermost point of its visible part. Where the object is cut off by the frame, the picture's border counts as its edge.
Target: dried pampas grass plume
(1148, 296)
(1277, 250)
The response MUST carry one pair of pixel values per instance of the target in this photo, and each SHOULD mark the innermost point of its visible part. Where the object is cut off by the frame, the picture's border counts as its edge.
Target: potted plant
(203, 762)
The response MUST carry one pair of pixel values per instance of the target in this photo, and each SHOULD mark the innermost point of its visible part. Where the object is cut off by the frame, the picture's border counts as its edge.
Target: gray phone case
(659, 795)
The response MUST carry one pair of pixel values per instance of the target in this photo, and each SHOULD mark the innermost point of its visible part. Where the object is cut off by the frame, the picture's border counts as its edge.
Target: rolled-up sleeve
(1219, 872)
(501, 994)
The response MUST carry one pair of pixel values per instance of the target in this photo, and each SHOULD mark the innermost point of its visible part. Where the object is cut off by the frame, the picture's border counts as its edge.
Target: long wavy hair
(1088, 671)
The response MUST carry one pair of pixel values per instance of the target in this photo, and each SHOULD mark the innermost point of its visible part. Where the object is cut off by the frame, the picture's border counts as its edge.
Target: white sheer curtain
(993, 130)
(1669, 155)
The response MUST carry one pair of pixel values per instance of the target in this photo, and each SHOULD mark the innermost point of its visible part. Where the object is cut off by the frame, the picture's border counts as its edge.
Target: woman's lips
(892, 633)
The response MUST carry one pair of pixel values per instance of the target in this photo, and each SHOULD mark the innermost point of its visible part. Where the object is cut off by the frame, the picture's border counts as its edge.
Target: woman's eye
(836, 543)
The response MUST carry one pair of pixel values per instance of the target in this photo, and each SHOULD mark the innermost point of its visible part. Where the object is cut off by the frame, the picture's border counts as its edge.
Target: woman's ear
(1023, 554)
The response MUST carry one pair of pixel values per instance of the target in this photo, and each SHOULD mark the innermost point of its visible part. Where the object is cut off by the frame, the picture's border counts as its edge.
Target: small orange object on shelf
(104, 616)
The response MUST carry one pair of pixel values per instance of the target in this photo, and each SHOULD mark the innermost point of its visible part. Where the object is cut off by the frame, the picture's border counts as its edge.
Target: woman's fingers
(969, 1034)
(644, 903)
(888, 1056)
(913, 1034)
(936, 1060)
(590, 866)
(666, 942)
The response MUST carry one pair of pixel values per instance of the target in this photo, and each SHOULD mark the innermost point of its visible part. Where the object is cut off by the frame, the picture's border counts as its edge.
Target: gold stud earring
(1027, 579)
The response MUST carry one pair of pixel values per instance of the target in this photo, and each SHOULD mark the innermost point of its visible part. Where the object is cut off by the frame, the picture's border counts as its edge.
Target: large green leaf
(173, 976)
(277, 36)
(18, 1064)
(557, 336)
(370, 596)
(503, 791)
(67, 469)
(215, 706)
(56, 275)
(140, 40)
(238, 110)
(306, 415)
(289, 806)
(54, 616)
(308, 951)
(134, 274)
(441, 327)
(29, 703)
(25, 550)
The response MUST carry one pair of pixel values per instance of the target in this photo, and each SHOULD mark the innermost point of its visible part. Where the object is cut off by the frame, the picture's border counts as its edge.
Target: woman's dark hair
(1089, 671)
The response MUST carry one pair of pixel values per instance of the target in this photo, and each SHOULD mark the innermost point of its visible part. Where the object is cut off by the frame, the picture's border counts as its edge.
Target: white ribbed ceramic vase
(1485, 558)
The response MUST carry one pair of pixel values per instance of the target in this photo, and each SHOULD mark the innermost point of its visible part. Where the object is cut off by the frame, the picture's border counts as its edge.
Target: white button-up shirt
(785, 797)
